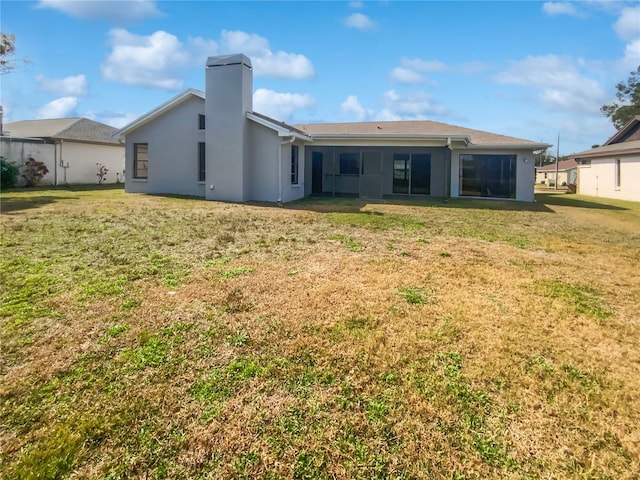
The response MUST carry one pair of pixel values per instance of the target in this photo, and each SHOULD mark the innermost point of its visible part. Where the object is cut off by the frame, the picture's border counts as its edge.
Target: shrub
(33, 171)
(102, 173)
(8, 173)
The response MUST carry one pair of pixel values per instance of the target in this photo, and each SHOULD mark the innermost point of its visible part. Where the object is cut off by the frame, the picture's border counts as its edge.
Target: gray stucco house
(213, 145)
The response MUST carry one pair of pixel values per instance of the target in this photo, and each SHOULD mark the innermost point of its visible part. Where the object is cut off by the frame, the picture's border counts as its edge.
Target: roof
(282, 128)
(626, 130)
(414, 129)
(78, 129)
(160, 110)
(624, 148)
(562, 166)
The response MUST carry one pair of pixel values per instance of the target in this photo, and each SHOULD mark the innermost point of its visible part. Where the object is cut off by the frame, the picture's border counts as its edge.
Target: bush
(33, 171)
(8, 173)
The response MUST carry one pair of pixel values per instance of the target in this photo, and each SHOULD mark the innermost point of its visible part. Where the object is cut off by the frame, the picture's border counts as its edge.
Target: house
(613, 169)
(213, 145)
(71, 148)
(567, 173)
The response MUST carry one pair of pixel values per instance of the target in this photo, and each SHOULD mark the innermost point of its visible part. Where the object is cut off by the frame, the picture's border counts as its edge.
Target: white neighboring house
(213, 145)
(613, 169)
(71, 148)
(567, 173)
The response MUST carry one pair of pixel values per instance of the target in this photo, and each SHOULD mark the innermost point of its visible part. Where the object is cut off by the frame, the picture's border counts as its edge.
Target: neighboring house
(214, 145)
(71, 148)
(613, 169)
(567, 173)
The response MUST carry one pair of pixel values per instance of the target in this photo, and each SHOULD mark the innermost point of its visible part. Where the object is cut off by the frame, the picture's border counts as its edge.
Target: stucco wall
(173, 152)
(598, 179)
(525, 171)
(68, 162)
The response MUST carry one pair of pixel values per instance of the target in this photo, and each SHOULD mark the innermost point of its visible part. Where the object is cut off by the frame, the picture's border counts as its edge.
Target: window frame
(295, 165)
(202, 123)
(616, 174)
(137, 161)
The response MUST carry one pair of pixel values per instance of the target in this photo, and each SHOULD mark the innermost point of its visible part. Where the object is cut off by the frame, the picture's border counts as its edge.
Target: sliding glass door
(412, 173)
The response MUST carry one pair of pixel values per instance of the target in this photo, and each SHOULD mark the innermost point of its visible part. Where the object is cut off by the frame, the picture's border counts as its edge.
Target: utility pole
(555, 184)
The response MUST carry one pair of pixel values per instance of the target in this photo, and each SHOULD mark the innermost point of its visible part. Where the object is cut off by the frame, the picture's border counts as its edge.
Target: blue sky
(525, 69)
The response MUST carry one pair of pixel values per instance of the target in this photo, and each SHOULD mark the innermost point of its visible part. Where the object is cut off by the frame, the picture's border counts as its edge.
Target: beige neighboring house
(613, 169)
(71, 148)
(212, 144)
(567, 173)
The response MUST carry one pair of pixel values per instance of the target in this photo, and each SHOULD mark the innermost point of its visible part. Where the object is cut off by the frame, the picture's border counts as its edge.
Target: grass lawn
(152, 337)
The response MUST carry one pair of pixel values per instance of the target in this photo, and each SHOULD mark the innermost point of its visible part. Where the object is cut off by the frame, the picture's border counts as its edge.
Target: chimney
(228, 97)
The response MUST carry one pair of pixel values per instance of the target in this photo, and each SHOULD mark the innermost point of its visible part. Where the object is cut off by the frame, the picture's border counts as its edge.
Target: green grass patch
(350, 243)
(582, 299)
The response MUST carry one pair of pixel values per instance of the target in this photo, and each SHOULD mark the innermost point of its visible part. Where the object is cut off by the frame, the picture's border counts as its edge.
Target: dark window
(412, 173)
(488, 176)
(349, 164)
(201, 122)
(294, 164)
(140, 160)
(202, 162)
(617, 173)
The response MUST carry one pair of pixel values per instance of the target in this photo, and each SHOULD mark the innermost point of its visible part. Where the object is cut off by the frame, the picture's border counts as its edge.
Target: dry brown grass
(150, 337)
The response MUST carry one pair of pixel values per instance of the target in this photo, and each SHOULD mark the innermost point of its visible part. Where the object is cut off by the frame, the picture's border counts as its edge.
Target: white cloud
(59, 108)
(560, 8)
(120, 12)
(406, 76)
(153, 61)
(411, 70)
(628, 24)
(559, 83)
(359, 21)
(265, 62)
(71, 86)
(115, 119)
(280, 105)
(631, 57)
(413, 106)
(419, 65)
(159, 60)
(353, 106)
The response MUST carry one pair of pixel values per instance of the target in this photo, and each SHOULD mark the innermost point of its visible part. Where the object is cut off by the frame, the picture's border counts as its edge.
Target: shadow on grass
(9, 205)
(565, 200)
(352, 205)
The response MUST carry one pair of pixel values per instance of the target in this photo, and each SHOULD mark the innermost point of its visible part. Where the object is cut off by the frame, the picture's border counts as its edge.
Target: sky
(533, 70)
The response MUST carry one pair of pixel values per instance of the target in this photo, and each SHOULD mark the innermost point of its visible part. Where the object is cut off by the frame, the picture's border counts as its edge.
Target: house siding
(173, 152)
(68, 162)
(598, 179)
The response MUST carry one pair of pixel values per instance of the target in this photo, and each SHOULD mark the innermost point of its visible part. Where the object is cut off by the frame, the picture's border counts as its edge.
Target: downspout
(282, 144)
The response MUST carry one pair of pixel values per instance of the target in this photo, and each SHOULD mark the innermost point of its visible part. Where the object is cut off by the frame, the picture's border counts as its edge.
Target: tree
(7, 51)
(629, 97)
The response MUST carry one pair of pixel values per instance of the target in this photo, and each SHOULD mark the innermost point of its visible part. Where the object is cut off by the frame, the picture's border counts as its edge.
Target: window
(294, 164)
(201, 123)
(617, 173)
(488, 175)
(202, 162)
(140, 160)
(349, 164)
(412, 173)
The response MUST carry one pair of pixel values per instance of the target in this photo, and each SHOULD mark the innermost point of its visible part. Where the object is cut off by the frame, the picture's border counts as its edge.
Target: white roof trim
(156, 112)
(282, 132)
